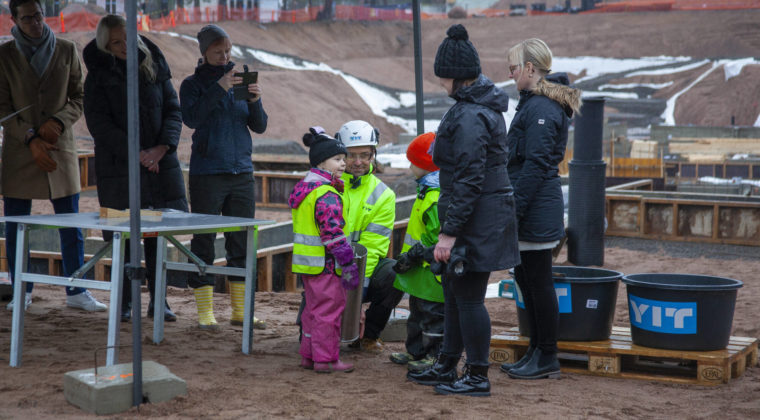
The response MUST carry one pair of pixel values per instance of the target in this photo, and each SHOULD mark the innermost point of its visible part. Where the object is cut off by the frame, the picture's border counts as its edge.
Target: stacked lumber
(646, 149)
(717, 148)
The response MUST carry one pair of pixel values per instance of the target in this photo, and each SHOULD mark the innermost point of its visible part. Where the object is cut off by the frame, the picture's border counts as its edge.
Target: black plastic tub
(681, 311)
(586, 298)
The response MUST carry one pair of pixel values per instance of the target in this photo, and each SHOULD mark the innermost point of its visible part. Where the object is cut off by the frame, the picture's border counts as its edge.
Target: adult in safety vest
(369, 209)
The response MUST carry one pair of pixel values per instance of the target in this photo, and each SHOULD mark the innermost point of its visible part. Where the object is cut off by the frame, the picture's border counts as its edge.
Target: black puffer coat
(105, 108)
(537, 140)
(476, 204)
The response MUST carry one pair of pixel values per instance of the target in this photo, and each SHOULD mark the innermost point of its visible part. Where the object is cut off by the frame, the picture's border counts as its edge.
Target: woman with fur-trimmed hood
(537, 140)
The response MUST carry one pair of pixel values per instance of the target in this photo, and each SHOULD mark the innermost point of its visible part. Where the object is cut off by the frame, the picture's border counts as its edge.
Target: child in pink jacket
(321, 252)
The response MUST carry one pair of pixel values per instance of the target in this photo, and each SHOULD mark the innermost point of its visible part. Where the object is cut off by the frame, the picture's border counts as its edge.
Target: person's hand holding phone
(255, 90)
(229, 79)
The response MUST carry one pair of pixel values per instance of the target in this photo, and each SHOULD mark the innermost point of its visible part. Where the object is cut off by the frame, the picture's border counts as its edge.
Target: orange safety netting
(715, 4)
(664, 5)
(86, 21)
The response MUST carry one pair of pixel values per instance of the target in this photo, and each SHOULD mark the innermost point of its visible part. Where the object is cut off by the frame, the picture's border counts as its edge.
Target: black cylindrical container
(586, 298)
(587, 140)
(586, 212)
(681, 311)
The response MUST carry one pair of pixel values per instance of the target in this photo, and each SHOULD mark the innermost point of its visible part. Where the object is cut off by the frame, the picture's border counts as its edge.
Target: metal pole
(417, 28)
(133, 139)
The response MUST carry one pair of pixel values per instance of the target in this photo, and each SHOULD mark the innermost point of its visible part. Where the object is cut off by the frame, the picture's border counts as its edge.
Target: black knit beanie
(321, 146)
(457, 57)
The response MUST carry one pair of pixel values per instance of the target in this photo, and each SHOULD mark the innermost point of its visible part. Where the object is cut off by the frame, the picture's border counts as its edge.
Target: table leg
(114, 310)
(252, 237)
(19, 295)
(160, 292)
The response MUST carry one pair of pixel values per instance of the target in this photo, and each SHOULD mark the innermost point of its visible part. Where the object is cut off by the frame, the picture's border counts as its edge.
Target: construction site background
(76, 16)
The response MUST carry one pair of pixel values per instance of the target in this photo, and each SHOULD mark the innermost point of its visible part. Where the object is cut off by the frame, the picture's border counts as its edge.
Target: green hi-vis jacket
(423, 228)
(308, 250)
(369, 210)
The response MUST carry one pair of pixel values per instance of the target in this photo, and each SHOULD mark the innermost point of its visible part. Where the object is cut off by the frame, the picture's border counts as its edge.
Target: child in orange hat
(425, 324)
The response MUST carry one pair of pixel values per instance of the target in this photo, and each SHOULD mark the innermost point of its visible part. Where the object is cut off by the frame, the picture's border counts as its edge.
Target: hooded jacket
(221, 141)
(328, 215)
(476, 204)
(105, 109)
(537, 140)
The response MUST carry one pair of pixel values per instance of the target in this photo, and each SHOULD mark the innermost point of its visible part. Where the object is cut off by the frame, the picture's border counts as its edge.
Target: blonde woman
(105, 108)
(537, 140)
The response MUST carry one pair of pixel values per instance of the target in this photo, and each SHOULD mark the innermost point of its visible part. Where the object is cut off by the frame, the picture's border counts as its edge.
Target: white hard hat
(358, 133)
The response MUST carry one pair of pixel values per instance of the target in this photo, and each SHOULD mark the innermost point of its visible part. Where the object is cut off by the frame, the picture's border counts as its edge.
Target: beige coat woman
(58, 94)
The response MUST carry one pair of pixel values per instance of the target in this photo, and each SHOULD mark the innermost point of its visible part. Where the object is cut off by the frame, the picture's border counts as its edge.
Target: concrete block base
(395, 329)
(111, 391)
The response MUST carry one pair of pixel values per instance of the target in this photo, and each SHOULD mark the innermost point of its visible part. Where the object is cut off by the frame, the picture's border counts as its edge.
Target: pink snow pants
(320, 320)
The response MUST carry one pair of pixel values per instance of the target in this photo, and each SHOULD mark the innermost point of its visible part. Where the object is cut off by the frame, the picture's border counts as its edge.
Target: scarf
(211, 74)
(37, 51)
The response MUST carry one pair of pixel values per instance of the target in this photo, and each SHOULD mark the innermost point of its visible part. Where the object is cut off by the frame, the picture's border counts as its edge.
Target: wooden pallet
(618, 357)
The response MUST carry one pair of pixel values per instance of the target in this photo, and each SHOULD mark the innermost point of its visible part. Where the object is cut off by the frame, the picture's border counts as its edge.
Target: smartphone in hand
(240, 91)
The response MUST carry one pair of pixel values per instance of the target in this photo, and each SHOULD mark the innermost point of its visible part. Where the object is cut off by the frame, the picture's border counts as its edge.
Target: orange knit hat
(417, 152)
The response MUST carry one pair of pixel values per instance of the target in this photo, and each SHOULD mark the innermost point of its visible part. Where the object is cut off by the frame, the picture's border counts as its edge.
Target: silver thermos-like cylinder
(350, 323)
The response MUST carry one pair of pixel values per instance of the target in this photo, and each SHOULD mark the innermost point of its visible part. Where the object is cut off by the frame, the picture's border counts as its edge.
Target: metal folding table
(164, 228)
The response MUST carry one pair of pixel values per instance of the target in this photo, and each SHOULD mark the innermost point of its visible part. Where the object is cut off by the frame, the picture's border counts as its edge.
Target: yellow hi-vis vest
(308, 250)
(369, 211)
(420, 281)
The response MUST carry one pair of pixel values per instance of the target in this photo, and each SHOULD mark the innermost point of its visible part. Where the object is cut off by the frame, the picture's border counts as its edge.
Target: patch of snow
(636, 85)
(671, 70)
(734, 67)
(670, 105)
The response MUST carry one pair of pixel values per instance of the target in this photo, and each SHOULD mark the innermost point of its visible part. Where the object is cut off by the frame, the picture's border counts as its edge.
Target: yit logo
(663, 317)
(564, 297)
(354, 138)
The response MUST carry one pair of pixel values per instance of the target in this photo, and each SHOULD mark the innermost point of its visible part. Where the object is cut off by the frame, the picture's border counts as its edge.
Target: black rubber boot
(444, 370)
(542, 365)
(474, 383)
(126, 312)
(169, 316)
(505, 367)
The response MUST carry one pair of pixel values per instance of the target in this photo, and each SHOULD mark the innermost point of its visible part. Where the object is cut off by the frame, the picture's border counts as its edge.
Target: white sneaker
(27, 302)
(86, 302)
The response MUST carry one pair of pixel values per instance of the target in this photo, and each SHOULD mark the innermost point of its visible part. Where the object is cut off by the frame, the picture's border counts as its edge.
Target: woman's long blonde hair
(103, 35)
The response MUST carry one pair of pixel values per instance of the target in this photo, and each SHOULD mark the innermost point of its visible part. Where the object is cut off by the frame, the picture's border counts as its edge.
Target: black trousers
(149, 251)
(228, 195)
(424, 328)
(382, 298)
(467, 325)
(534, 277)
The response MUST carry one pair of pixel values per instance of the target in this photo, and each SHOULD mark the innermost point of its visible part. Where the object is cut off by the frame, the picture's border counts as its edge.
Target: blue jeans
(72, 241)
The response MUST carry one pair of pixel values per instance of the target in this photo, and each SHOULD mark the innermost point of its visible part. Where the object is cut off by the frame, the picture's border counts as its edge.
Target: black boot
(505, 367)
(444, 370)
(169, 316)
(126, 312)
(474, 382)
(542, 365)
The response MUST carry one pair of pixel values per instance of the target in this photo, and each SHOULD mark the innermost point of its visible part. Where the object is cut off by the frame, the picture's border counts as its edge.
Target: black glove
(402, 263)
(410, 259)
(436, 267)
(457, 265)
